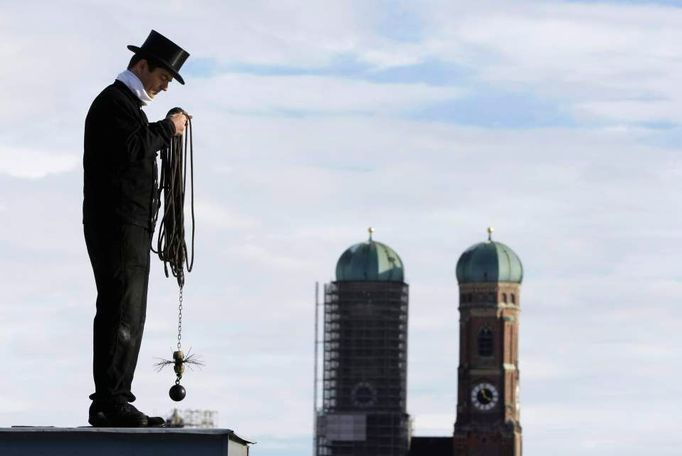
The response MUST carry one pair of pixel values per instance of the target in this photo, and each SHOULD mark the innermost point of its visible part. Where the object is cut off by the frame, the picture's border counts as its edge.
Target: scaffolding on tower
(364, 369)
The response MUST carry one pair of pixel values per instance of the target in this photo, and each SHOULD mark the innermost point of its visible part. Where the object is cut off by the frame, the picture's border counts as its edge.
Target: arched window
(485, 342)
(504, 298)
(513, 298)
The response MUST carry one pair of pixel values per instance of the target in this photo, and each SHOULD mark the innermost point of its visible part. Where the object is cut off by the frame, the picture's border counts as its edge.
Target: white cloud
(605, 61)
(426, 422)
(265, 258)
(32, 164)
(314, 95)
(12, 405)
(215, 215)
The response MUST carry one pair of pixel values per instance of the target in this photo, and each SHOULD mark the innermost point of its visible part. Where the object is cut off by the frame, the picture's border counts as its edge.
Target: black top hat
(159, 48)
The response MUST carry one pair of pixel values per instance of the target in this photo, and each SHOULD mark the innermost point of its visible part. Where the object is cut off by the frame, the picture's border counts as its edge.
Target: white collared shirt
(135, 85)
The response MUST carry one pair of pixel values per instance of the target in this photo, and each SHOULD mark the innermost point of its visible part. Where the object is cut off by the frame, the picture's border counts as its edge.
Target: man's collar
(124, 88)
(133, 83)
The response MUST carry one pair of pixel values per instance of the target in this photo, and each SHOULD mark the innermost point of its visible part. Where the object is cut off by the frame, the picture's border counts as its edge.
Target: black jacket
(120, 158)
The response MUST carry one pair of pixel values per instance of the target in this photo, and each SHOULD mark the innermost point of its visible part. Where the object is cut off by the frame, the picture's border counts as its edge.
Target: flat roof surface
(16, 430)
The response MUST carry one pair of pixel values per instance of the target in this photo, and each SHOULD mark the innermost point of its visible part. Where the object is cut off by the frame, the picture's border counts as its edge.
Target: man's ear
(140, 67)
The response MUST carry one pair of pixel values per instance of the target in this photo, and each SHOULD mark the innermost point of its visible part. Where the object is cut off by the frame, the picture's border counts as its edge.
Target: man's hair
(151, 63)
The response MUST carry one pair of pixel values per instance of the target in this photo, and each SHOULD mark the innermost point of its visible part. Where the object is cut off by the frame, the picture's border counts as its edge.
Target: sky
(559, 123)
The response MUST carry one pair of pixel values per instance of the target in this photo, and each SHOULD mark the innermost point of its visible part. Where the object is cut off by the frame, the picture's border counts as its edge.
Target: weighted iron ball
(177, 392)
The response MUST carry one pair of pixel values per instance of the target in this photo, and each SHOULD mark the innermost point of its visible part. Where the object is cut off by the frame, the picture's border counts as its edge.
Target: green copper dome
(370, 261)
(489, 262)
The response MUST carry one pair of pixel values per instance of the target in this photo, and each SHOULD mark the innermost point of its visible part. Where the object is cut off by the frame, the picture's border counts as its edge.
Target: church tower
(365, 356)
(488, 418)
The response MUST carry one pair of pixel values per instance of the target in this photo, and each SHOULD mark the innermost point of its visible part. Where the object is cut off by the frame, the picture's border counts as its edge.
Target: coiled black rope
(171, 246)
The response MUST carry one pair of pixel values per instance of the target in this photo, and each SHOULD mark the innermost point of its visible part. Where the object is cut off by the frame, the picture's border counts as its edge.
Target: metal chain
(180, 321)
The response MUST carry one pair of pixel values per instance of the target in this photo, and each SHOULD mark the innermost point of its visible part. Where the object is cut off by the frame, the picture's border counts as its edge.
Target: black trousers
(119, 254)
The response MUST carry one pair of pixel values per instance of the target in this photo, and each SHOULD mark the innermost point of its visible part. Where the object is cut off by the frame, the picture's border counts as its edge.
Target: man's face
(154, 81)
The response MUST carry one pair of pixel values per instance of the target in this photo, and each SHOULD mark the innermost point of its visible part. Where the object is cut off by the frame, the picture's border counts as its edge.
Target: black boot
(155, 421)
(116, 415)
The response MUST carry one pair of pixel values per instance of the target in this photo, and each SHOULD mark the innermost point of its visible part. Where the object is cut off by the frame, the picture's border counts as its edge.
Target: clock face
(364, 395)
(484, 396)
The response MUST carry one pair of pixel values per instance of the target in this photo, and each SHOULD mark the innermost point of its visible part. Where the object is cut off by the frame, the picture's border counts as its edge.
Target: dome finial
(371, 231)
(491, 230)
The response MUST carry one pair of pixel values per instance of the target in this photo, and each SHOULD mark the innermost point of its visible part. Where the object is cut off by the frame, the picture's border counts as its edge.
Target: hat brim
(166, 66)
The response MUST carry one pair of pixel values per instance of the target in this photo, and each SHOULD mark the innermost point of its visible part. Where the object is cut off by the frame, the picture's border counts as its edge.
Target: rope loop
(171, 246)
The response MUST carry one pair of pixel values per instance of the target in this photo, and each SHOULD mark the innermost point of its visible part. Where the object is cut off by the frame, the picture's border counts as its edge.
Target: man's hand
(180, 121)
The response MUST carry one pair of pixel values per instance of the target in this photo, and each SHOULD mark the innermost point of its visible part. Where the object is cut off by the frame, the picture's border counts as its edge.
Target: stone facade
(488, 416)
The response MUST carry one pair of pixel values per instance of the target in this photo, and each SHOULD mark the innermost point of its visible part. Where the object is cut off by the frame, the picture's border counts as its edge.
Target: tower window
(504, 298)
(513, 298)
(485, 342)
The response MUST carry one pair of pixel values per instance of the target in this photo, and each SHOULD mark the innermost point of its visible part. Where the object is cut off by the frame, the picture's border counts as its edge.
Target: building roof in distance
(370, 261)
(489, 261)
(431, 446)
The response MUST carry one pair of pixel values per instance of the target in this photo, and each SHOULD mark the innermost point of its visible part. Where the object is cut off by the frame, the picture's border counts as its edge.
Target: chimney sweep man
(120, 175)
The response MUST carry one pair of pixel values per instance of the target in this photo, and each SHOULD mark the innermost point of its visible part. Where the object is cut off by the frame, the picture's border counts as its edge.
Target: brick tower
(488, 419)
